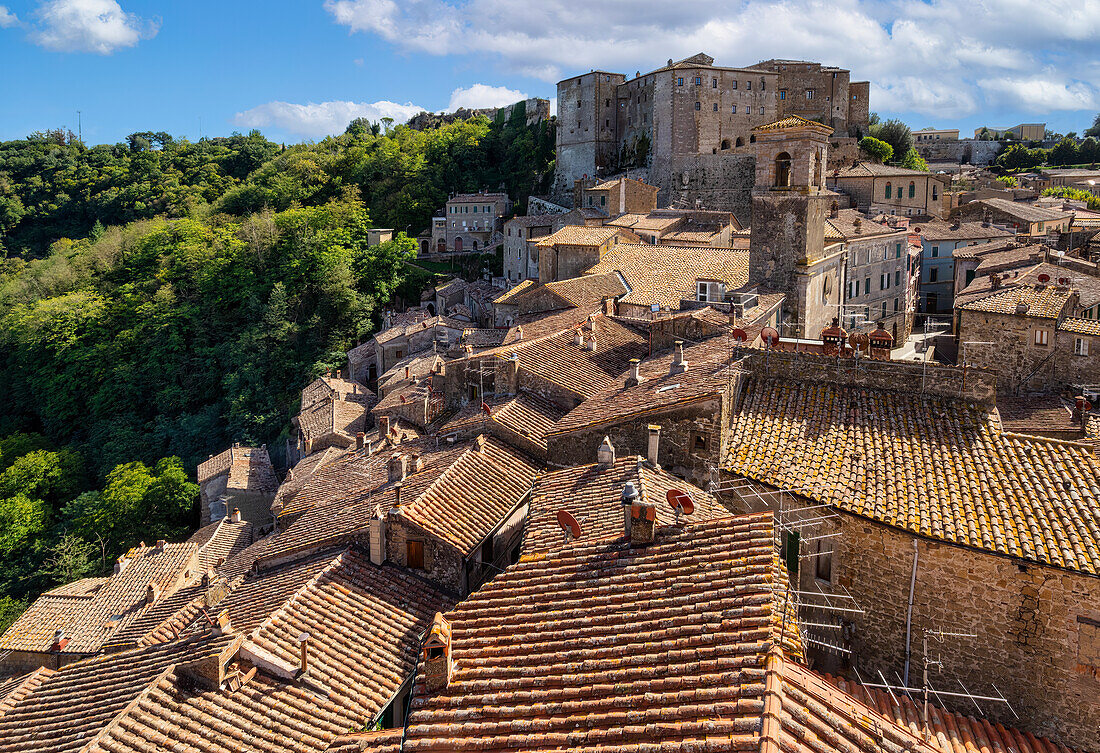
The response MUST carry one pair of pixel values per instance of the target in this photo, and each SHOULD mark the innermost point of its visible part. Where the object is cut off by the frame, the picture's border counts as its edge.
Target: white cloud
(945, 58)
(7, 18)
(99, 26)
(481, 96)
(320, 119)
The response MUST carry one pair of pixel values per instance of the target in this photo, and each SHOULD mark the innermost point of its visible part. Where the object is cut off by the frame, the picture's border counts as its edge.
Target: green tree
(10, 610)
(913, 161)
(1094, 129)
(1089, 150)
(876, 149)
(896, 134)
(1065, 152)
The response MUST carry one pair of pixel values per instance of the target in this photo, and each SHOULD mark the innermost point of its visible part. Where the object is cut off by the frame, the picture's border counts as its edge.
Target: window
(970, 274)
(734, 84)
(761, 110)
(935, 192)
(883, 281)
(849, 290)
(897, 277)
(698, 80)
(714, 83)
(912, 189)
(933, 274)
(607, 103)
(1080, 346)
(867, 286)
(895, 305)
(698, 105)
(680, 81)
(1041, 337)
(734, 109)
(809, 94)
(823, 562)
(889, 189)
(783, 170)
(883, 310)
(897, 251)
(716, 107)
(935, 251)
(782, 95)
(748, 86)
(603, 200)
(698, 443)
(578, 103)
(414, 554)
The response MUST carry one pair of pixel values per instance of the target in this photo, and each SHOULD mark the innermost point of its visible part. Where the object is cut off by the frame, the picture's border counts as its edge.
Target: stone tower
(790, 206)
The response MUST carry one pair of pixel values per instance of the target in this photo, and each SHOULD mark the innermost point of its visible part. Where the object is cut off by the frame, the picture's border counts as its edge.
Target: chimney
(858, 223)
(643, 524)
(1021, 308)
(377, 532)
(635, 377)
(383, 427)
(303, 652)
(591, 344)
(605, 456)
(60, 640)
(397, 494)
(834, 211)
(235, 516)
(309, 446)
(398, 467)
(519, 332)
(222, 625)
(578, 339)
(417, 464)
(654, 443)
(994, 280)
(360, 439)
(628, 498)
(437, 654)
(152, 592)
(679, 365)
(368, 447)
(161, 544)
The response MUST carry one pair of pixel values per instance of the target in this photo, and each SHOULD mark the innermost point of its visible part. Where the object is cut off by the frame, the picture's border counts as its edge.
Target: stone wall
(1020, 364)
(975, 385)
(690, 443)
(965, 152)
(442, 563)
(719, 182)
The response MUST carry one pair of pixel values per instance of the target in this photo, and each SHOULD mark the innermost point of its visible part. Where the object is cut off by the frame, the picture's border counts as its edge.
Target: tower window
(716, 107)
(680, 81)
(783, 170)
(698, 106)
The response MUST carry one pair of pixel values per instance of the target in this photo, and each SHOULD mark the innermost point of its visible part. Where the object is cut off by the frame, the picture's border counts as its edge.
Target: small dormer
(437, 654)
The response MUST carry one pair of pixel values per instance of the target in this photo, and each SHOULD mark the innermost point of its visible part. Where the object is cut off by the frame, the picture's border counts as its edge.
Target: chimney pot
(654, 443)
(635, 373)
(519, 332)
(383, 427)
(398, 467)
(222, 625)
(606, 454)
(303, 652)
(235, 516)
(360, 439)
(578, 339)
(628, 498)
(591, 344)
(679, 364)
(161, 544)
(643, 526)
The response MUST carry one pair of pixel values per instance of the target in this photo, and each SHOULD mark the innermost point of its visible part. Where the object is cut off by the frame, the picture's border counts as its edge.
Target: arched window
(889, 189)
(740, 141)
(475, 245)
(752, 139)
(783, 170)
(935, 192)
(912, 189)
(725, 143)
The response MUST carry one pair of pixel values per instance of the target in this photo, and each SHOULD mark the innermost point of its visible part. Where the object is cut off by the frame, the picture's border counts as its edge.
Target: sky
(301, 69)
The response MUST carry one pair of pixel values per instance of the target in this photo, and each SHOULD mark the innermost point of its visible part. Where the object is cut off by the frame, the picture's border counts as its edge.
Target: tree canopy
(876, 149)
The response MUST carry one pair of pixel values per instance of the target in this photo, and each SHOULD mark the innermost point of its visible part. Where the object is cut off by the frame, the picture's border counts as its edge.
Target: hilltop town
(755, 443)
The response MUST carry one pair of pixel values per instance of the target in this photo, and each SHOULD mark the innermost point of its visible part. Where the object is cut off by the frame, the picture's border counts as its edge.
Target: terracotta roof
(1036, 414)
(419, 392)
(950, 732)
(329, 386)
(1008, 258)
(593, 495)
(526, 415)
(330, 416)
(939, 468)
(579, 235)
(478, 197)
(249, 469)
(793, 121)
(707, 375)
(84, 587)
(1019, 210)
(588, 290)
(418, 324)
(600, 646)
(534, 220)
(219, 541)
(668, 274)
(15, 689)
(643, 222)
(418, 365)
(483, 337)
(845, 226)
(89, 621)
(555, 358)
(1081, 326)
(300, 475)
(1042, 302)
(876, 170)
(608, 185)
(939, 230)
(518, 290)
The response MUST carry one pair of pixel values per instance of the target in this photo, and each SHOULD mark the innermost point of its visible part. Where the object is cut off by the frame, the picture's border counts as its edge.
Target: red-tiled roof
(249, 469)
(329, 416)
(667, 274)
(593, 494)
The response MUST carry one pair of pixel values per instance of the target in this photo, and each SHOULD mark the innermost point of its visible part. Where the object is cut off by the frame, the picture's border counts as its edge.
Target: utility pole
(79, 130)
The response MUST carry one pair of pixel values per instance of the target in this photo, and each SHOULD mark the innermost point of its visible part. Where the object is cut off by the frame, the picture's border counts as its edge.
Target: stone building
(574, 249)
(1032, 330)
(1005, 258)
(474, 220)
(1004, 524)
(240, 477)
(939, 241)
(823, 93)
(1021, 132)
(1018, 217)
(879, 273)
(876, 189)
(620, 196)
(681, 227)
(790, 206)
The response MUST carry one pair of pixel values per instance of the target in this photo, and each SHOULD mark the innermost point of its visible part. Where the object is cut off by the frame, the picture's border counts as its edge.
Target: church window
(783, 170)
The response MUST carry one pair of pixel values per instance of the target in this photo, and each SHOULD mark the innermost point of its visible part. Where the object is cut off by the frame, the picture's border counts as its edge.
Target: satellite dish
(680, 501)
(1044, 278)
(770, 336)
(740, 335)
(569, 525)
(1083, 405)
(485, 407)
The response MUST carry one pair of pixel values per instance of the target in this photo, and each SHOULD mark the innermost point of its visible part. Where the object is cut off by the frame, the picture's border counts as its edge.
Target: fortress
(687, 126)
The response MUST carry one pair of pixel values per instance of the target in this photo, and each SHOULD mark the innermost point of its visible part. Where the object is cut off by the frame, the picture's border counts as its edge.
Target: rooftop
(1040, 301)
(579, 235)
(793, 121)
(667, 274)
(940, 230)
(1021, 211)
(937, 467)
(249, 469)
(330, 416)
(877, 170)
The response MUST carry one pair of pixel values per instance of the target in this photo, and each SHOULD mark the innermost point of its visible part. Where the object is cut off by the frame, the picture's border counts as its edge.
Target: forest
(160, 299)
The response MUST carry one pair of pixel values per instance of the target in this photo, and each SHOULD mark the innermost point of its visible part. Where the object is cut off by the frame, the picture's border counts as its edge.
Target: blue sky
(298, 70)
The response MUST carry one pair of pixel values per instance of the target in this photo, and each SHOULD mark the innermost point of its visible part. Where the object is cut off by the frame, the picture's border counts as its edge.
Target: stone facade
(474, 220)
(622, 196)
(888, 190)
(1036, 628)
(442, 564)
(879, 271)
(822, 93)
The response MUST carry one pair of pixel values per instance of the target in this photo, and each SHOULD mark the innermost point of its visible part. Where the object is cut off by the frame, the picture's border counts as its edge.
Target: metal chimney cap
(630, 493)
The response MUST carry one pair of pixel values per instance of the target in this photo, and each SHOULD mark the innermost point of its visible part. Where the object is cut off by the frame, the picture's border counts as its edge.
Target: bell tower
(790, 206)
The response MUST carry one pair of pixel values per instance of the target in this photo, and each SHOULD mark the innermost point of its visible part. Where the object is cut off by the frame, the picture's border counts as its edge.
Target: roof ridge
(293, 598)
(116, 721)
